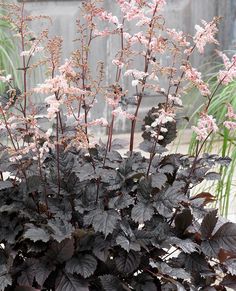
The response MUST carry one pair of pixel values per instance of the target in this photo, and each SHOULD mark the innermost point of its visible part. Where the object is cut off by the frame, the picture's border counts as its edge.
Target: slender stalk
(117, 79)
(58, 155)
(217, 87)
(23, 60)
(43, 180)
(8, 129)
(57, 136)
(111, 133)
(146, 65)
(109, 140)
(152, 154)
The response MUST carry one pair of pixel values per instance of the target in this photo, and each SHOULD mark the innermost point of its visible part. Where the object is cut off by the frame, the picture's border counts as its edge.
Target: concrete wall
(180, 14)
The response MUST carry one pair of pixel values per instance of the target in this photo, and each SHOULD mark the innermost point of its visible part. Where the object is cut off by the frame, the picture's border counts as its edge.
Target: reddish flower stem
(146, 65)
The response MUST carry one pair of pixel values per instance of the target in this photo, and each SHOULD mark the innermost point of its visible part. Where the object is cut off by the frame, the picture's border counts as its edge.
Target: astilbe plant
(77, 215)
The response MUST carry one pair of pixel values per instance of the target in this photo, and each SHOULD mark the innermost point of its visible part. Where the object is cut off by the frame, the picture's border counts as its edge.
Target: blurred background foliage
(223, 142)
(9, 55)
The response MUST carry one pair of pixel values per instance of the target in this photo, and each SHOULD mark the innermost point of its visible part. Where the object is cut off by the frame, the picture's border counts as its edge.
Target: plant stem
(23, 60)
(146, 65)
(58, 156)
(8, 129)
(217, 87)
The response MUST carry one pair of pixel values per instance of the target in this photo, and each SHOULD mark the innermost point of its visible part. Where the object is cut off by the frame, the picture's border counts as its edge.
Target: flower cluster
(163, 117)
(206, 34)
(158, 125)
(100, 121)
(179, 37)
(5, 79)
(229, 73)
(119, 112)
(196, 78)
(54, 105)
(137, 75)
(32, 51)
(118, 63)
(230, 124)
(206, 125)
(67, 69)
(58, 85)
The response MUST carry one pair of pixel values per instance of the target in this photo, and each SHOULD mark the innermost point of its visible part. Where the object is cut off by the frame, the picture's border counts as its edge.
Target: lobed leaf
(69, 282)
(103, 221)
(83, 264)
(158, 180)
(111, 283)
(36, 234)
(208, 224)
(224, 238)
(5, 278)
(127, 262)
(142, 212)
(128, 244)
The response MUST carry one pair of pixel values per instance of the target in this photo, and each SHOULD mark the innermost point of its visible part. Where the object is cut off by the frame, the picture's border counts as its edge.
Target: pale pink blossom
(100, 121)
(143, 21)
(32, 51)
(136, 74)
(113, 103)
(231, 125)
(230, 113)
(163, 118)
(102, 33)
(118, 63)
(158, 44)
(15, 159)
(153, 134)
(129, 9)
(126, 35)
(67, 69)
(58, 85)
(175, 99)
(229, 74)
(225, 59)
(25, 53)
(119, 112)
(132, 14)
(164, 129)
(153, 77)
(139, 37)
(52, 85)
(157, 5)
(226, 77)
(54, 105)
(104, 15)
(6, 79)
(135, 83)
(179, 37)
(206, 124)
(29, 147)
(205, 34)
(196, 78)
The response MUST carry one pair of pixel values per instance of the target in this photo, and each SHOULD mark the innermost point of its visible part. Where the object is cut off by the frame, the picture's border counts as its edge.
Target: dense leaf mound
(112, 227)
